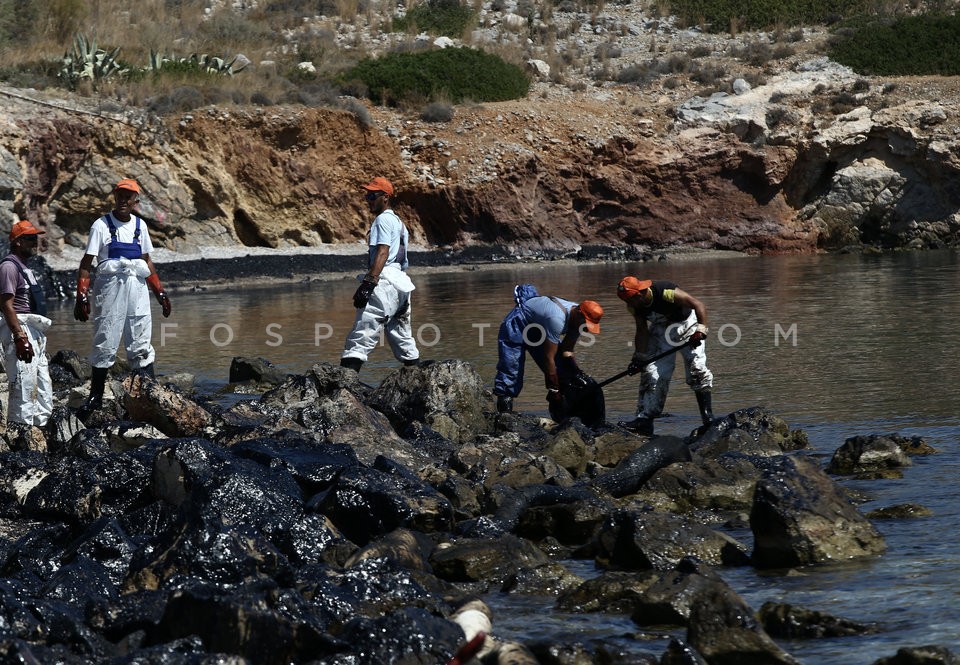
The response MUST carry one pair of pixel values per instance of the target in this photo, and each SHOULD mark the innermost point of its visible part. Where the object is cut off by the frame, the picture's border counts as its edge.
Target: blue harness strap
(123, 250)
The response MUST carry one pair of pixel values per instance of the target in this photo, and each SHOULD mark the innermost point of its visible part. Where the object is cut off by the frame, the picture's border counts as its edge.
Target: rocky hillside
(797, 154)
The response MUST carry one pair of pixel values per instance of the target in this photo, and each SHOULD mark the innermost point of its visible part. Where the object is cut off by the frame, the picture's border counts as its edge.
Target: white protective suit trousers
(31, 391)
(390, 295)
(121, 308)
(655, 378)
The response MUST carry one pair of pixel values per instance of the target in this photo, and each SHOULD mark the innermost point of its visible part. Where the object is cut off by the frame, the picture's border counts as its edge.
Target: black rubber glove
(165, 305)
(24, 348)
(363, 293)
(81, 311)
(637, 364)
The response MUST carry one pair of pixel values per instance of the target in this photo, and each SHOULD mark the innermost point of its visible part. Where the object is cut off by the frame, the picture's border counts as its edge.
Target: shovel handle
(649, 360)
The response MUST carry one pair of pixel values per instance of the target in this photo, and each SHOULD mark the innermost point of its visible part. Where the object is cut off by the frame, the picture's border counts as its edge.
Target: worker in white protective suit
(383, 297)
(120, 243)
(24, 331)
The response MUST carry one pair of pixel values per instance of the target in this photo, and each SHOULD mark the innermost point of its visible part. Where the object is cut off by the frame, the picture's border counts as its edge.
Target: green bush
(438, 17)
(720, 15)
(916, 45)
(453, 73)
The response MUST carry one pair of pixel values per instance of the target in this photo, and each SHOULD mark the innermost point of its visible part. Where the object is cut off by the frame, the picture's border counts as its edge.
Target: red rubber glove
(24, 348)
(153, 281)
(81, 311)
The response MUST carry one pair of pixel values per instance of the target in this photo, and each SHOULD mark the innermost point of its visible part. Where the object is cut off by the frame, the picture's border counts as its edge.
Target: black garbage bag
(582, 397)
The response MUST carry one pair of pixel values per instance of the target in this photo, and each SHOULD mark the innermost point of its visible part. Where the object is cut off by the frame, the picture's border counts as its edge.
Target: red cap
(592, 311)
(24, 228)
(631, 286)
(380, 184)
(127, 183)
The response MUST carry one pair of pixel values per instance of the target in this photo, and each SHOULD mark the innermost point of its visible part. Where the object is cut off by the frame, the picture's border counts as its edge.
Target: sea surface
(836, 345)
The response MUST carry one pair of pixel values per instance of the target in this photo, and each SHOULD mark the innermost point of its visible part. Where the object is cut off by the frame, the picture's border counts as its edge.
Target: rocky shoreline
(182, 271)
(329, 522)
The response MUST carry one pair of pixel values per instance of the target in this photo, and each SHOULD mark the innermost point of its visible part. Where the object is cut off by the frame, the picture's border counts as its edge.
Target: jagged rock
(637, 541)
(197, 475)
(926, 655)
(411, 635)
(449, 396)
(752, 431)
(860, 454)
(365, 504)
(612, 591)
(62, 427)
(474, 560)
(205, 548)
(19, 436)
(164, 407)
(409, 549)
(257, 370)
(573, 523)
(669, 599)
(901, 511)
(800, 516)
(245, 621)
(722, 628)
(721, 484)
(549, 579)
(790, 622)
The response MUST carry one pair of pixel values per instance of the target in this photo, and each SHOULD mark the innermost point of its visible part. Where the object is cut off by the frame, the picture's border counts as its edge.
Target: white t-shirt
(388, 230)
(100, 238)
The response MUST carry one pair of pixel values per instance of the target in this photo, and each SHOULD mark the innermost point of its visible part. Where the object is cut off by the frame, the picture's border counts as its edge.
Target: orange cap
(24, 228)
(127, 183)
(380, 184)
(631, 286)
(592, 311)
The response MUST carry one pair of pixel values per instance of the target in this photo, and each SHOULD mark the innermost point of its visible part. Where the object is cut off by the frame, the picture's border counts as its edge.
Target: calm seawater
(837, 345)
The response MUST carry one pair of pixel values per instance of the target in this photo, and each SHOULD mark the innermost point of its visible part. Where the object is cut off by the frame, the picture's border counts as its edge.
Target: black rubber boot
(412, 363)
(351, 363)
(642, 426)
(147, 370)
(705, 402)
(98, 381)
(504, 404)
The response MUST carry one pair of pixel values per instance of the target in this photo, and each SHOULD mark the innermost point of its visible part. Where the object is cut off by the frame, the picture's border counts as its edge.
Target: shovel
(649, 360)
(585, 398)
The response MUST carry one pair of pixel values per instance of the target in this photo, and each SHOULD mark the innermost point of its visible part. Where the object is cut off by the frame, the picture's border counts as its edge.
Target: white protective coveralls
(31, 391)
(391, 295)
(655, 378)
(121, 306)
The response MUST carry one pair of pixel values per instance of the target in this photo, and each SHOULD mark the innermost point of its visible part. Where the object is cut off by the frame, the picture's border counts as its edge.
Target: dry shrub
(437, 112)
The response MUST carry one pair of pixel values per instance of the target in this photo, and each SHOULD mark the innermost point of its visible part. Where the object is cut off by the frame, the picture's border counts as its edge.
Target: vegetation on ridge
(329, 52)
(452, 73)
(928, 44)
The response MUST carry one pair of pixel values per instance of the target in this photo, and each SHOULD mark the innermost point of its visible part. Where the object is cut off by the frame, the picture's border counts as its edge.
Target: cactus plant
(87, 62)
(199, 62)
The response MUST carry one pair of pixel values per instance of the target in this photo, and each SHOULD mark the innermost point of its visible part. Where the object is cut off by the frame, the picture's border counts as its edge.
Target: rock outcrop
(765, 170)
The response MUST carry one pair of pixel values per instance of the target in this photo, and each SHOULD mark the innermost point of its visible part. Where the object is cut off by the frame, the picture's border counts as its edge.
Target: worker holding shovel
(667, 319)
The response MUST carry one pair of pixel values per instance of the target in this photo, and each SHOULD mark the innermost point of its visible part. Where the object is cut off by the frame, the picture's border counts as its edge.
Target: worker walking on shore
(547, 328)
(24, 331)
(120, 243)
(666, 317)
(383, 297)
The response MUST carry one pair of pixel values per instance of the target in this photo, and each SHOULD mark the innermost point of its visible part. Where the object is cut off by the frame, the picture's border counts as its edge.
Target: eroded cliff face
(555, 172)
